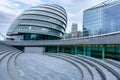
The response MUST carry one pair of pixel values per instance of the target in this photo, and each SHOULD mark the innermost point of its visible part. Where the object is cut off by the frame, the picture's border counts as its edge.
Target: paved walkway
(42, 67)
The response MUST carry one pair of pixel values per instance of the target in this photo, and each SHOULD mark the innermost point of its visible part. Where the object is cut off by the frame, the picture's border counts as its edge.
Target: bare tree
(100, 31)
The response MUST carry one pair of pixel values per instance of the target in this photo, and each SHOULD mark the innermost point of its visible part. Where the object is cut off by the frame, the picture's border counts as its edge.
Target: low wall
(39, 50)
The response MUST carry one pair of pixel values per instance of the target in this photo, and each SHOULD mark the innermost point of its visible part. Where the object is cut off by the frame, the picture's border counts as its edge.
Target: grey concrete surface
(39, 50)
(16, 65)
(42, 67)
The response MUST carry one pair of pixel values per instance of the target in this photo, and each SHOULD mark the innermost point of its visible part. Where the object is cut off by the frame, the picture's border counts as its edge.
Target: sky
(10, 9)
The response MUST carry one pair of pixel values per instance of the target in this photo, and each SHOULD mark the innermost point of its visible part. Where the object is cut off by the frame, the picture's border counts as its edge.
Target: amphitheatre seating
(113, 62)
(97, 69)
(90, 68)
(7, 62)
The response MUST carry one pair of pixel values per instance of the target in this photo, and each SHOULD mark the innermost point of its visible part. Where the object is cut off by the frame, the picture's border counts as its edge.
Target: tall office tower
(102, 18)
(74, 27)
(41, 22)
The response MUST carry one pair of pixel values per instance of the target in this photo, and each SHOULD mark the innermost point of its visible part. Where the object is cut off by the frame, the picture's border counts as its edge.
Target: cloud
(5, 21)
(65, 1)
(7, 6)
(30, 2)
(4, 28)
(8, 12)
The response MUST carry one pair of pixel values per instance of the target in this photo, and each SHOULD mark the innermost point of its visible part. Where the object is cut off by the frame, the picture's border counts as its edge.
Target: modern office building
(74, 32)
(41, 22)
(74, 27)
(102, 18)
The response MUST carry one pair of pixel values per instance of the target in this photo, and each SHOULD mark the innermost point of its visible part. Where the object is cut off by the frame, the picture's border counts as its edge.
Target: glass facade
(106, 51)
(100, 51)
(37, 37)
(102, 18)
(44, 20)
(45, 13)
(35, 29)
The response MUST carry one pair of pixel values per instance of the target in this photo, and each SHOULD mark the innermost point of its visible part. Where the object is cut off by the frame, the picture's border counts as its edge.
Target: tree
(100, 31)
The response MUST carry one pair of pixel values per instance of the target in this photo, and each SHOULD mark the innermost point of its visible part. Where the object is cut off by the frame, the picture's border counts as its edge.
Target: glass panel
(45, 13)
(41, 23)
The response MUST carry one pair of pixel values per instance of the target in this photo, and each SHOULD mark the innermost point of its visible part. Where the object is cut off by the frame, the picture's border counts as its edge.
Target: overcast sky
(9, 9)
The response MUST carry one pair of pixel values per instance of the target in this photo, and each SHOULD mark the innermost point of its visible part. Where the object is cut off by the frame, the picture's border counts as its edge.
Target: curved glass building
(42, 22)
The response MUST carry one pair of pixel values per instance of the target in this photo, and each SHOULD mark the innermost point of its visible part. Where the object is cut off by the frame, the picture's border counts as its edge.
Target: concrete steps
(113, 62)
(97, 69)
(90, 68)
(7, 56)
